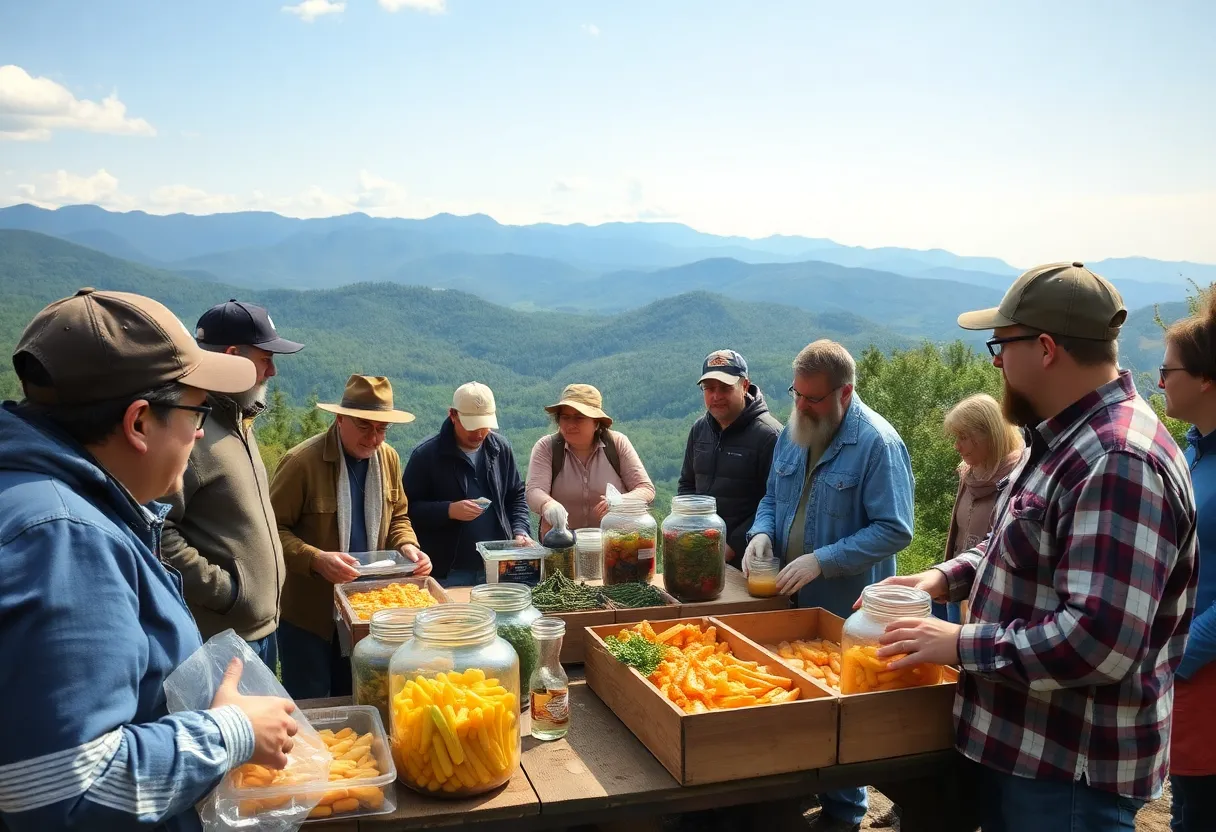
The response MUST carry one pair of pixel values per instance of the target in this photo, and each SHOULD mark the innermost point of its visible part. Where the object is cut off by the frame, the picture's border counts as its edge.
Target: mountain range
(600, 269)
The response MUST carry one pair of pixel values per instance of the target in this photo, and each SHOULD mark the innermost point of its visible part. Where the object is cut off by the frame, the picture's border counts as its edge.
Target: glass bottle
(861, 670)
(471, 744)
(549, 687)
(762, 571)
(694, 548)
(369, 660)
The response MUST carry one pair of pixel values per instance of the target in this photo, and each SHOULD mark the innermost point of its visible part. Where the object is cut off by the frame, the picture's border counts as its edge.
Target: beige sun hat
(585, 399)
(370, 398)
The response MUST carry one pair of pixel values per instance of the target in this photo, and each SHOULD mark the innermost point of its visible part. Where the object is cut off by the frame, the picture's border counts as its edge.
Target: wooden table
(601, 774)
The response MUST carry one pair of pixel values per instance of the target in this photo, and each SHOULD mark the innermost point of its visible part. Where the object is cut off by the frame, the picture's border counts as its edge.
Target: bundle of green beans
(557, 593)
(634, 595)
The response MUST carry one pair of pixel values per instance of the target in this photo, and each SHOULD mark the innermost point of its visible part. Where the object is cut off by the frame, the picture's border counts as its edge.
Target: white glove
(555, 515)
(798, 573)
(761, 546)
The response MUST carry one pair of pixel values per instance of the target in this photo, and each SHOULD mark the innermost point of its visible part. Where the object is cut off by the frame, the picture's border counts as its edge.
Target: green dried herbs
(637, 652)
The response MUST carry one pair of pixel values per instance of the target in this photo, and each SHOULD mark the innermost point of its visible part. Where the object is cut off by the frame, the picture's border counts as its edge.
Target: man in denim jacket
(838, 505)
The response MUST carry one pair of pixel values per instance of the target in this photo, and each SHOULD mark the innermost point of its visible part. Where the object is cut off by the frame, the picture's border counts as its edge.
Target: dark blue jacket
(1201, 644)
(91, 625)
(437, 475)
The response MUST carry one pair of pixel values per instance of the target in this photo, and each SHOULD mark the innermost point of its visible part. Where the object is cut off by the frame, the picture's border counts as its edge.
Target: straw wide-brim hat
(585, 399)
(370, 398)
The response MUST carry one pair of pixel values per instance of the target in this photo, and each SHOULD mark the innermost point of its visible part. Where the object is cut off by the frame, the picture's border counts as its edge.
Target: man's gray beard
(810, 433)
(252, 397)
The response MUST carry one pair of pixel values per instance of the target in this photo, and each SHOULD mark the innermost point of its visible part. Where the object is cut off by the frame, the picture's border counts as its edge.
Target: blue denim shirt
(859, 514)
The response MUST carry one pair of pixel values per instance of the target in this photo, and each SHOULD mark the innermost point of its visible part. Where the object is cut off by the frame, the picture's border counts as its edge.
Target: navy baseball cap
(726, 366)
(237, 324)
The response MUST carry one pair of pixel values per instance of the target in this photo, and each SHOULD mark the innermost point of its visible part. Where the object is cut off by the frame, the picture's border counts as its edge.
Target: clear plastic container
(762, 571)
(370, 659)
(508, 562)
(629, 537)
(386, 564)
(455, 703)
(359, 786)
(375, 795)
(588, 554)
(694, 549)
(512, 604)
(861, 671)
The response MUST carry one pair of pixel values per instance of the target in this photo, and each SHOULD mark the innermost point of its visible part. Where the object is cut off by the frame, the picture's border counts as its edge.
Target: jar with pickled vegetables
(370, 658)
(454, 703)
(513, 605)
(629, 537)
(861, 670)
(694, 549)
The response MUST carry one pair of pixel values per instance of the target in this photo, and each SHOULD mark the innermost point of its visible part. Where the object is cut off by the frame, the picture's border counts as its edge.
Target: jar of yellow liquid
(762, 573)
(861, 670)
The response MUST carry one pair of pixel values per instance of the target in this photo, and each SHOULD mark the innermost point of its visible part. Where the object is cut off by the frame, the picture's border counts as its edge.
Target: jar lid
(693, 504)
(392, 625)
(502, 597)
(629, 506)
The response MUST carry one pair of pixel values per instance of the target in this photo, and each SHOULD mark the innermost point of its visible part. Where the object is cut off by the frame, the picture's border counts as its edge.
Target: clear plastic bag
(237, 803)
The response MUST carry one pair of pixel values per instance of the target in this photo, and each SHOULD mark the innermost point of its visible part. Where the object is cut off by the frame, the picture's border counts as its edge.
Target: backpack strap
(557, 452)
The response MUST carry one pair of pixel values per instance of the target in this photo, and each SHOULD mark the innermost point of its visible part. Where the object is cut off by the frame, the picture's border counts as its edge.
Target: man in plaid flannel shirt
(1081, 598)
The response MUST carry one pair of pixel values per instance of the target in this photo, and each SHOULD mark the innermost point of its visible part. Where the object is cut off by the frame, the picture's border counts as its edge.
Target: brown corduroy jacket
(304, 493)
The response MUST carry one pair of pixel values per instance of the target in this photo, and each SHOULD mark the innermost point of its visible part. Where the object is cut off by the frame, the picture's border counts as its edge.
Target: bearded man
(221, 532)
(837, 506)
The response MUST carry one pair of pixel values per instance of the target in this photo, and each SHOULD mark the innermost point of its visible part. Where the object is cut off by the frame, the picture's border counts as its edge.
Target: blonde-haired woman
(990, 448)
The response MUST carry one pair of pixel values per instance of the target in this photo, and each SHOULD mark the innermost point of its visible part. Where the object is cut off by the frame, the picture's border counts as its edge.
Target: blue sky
(1032, 131)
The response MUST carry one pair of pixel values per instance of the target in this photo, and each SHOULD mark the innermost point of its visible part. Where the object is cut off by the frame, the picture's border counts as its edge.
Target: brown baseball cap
(96, 346)
(1060, 298)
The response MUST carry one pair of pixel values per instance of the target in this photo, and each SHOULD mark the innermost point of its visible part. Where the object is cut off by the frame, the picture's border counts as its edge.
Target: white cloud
(32, 108)
(375, 192)
(431, 6)
(591, 29)
(310, 10)
(571, 184)
(63, 188)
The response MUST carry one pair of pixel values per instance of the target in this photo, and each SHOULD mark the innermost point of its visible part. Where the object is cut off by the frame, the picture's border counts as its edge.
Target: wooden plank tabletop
(734, 598)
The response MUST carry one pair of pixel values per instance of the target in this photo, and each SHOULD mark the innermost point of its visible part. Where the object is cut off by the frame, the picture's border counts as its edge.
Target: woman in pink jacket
(570, 470)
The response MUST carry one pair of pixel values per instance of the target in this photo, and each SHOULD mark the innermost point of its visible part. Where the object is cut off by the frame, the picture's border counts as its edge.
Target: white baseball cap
(474, 403)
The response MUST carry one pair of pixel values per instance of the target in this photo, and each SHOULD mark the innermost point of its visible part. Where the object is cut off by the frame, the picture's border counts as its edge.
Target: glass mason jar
(629, 537)
(512, 604)
(560, 543)
(588, 554)
(369, 659)
(861, 671)
(762, 571)
(455, 703)
(694, 549)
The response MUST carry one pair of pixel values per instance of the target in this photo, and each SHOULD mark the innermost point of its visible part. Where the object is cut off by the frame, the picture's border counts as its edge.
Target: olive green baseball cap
(1063, 299)
(96, 346)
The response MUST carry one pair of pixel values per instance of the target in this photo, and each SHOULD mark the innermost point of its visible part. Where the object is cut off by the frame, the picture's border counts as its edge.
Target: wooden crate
(718, 746)
(632, 615)
(873, 726)
(574, 642)
(734, 598)
(359, 629)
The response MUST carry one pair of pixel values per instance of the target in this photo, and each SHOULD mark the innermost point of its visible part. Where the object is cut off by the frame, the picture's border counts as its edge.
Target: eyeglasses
(810, 399)
(368, 428)
(1164, 371)
(200, 411)
(996, 345)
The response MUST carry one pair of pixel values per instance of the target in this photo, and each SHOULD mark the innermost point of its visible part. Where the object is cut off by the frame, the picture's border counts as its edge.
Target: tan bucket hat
(585, 399)
(370, 398)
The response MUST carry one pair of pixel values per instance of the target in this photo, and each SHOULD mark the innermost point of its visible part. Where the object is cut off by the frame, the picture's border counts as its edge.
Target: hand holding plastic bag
(246, 798)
